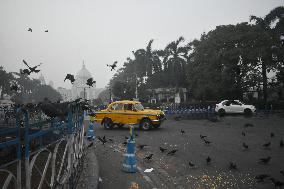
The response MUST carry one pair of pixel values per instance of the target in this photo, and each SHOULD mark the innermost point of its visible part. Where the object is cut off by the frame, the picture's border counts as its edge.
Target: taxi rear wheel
(145, 124)
(108, 124)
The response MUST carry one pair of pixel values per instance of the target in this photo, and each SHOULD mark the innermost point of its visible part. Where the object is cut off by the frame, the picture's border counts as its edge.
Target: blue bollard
(90, 132)
(129, 162)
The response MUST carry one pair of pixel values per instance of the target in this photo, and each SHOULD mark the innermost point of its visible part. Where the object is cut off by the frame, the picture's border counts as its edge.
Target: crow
(272, 135)
(232, 165)
(281, 143)
(90, 82)
(46, 31)
(30, 30)
(162, 149)
(266, 144)
(264, 160)
(207, 142)
(182, 131)
(113, 66)
(141, 146)
(14, 87)
(172, 152)
(149, 157)
(243, 133)
(208, 160)
(25, 71)
(32, 69)
(277, 183)
(191, 164)
(245, 145)
(202, 136)
(261, 177)
(70, 77)
(248, 125)
(90, 145)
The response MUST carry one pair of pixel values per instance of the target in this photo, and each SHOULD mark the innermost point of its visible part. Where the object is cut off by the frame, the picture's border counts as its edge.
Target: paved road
(175, 172)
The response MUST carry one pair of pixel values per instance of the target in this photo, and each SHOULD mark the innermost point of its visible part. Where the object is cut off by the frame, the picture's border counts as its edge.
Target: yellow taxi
(129, 112)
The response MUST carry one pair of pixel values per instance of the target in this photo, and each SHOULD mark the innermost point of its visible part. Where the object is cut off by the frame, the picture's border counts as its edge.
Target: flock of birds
(208, 160)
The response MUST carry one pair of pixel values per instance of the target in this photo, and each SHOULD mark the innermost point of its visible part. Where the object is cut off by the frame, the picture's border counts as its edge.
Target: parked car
(124, 112)
(234, 106)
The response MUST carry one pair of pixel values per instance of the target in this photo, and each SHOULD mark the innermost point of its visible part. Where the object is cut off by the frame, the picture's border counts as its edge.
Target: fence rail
(37, 152)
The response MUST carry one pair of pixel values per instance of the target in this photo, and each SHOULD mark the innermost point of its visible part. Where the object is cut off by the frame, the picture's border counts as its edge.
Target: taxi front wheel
(108, 124)
(145, 124)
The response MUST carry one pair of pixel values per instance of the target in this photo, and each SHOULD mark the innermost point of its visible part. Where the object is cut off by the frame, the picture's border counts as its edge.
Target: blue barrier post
(129, 163)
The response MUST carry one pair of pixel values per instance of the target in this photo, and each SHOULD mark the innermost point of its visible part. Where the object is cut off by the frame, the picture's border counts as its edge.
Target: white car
(234, 106)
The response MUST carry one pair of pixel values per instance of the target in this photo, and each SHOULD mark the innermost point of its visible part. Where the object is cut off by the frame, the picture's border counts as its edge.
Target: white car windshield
(138, 107)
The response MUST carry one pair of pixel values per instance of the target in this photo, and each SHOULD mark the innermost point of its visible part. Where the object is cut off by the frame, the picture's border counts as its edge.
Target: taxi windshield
(138, 107)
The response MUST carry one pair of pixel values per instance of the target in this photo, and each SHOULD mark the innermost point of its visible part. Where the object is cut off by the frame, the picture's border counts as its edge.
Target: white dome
(83, 73)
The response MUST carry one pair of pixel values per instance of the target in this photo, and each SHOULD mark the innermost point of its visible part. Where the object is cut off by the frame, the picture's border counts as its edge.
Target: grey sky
(101, 32)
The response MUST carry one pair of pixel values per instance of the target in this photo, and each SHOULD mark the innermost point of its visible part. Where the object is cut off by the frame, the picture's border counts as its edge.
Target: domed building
(80, 89)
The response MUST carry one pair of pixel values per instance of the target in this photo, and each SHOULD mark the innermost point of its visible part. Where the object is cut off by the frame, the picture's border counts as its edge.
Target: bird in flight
(172, 152)
(113, 66)
(90, 82)
(264, 160)
(25, 71)
(30, 30)
(32, 69)
(70, 77)
(266, 144)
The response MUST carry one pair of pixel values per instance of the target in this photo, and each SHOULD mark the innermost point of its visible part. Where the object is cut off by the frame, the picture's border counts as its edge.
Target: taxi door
(129, 116)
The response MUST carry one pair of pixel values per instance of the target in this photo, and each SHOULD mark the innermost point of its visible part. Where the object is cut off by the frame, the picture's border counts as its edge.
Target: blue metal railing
(31, 136)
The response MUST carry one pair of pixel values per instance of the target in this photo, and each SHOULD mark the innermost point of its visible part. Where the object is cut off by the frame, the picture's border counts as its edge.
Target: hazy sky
(101, 32)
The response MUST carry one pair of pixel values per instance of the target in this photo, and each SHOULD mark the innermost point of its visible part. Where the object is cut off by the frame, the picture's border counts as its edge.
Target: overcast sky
(101, 32)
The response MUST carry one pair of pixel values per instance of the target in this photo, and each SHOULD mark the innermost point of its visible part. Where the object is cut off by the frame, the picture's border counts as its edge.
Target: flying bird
(162, 149)
(207, 142)
(25, 71)
(30, 30)
(245, 145)
(70, 77)
(172, 152)
(90, 82)
(149, 157)
(113, 66)
(261, 177)
(32, 69)
(264, 160)
(266, 144)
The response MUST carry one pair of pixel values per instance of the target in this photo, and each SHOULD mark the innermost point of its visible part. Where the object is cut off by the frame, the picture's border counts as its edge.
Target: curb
(89, 177)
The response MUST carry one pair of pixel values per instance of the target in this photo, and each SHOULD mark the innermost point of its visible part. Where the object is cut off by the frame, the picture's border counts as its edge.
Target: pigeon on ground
(46, 31)
(90, 145)
(261, 177)
(264, 160)
(141, 146)
(149, 157)
(232, 165)
(245, 145)
(182, 131)
(243, 133)
(172, 152)
(207, 142)
(266, 144)
(272, 135)
(202, 136)
(30, 30)
(191, 164)
(281, 143)
(208, 160)
(162, 149)
(112, 66)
